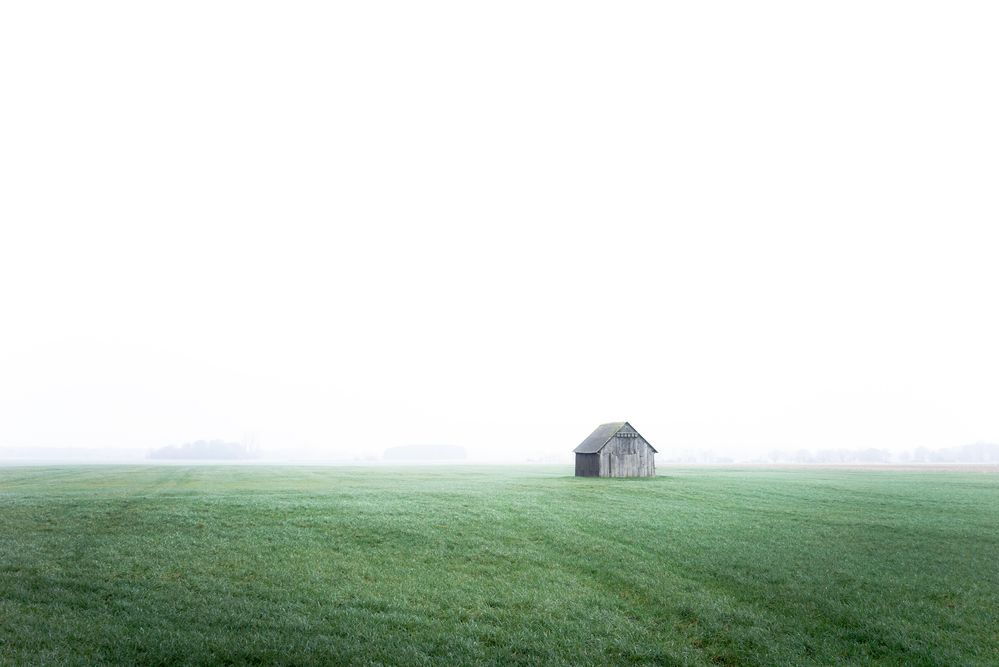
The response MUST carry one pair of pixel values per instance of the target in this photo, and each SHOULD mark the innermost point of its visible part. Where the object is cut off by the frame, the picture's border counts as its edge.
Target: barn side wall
(627, 457)
(587, 465)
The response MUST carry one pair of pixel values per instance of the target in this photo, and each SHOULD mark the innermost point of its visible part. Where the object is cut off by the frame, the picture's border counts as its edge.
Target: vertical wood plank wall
(627, 457)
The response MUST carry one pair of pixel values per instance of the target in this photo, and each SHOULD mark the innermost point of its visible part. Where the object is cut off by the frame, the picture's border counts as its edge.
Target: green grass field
(476, 565)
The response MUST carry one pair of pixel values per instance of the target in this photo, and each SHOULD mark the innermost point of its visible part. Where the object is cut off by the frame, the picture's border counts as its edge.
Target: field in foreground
(288, 565)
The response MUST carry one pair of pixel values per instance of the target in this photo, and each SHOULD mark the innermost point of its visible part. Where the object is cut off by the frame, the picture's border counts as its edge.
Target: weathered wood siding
(627, 455)
(587, 465)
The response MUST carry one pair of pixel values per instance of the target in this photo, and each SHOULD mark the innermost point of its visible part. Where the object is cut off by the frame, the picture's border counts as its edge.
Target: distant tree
(803, 456)
(215, 450)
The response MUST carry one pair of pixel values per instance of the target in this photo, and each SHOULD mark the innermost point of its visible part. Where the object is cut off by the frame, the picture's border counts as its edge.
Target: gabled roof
(602, 435)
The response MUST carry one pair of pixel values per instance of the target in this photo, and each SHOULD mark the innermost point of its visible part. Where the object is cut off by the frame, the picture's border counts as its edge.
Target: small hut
(615, 450)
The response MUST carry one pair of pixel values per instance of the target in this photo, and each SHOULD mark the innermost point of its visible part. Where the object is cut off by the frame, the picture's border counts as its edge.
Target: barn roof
(602, 435)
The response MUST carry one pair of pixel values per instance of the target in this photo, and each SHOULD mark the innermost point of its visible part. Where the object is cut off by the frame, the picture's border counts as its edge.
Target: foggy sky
(345, 227)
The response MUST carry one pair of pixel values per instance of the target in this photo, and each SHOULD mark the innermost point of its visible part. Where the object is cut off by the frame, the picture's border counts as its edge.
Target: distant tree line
(424, 453)
(869, 455)
(979, 452)
(216, 450)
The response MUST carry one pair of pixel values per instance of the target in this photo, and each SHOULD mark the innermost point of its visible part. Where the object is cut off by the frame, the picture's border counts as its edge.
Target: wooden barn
(615, 450)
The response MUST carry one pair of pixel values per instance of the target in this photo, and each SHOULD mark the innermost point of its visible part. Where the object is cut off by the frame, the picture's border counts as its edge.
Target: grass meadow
(171, 565)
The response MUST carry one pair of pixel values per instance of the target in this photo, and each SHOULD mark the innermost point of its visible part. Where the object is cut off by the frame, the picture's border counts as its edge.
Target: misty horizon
(973, 453)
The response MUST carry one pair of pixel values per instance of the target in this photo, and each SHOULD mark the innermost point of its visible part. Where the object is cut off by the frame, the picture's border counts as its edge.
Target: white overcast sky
(343, 226)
